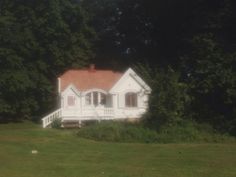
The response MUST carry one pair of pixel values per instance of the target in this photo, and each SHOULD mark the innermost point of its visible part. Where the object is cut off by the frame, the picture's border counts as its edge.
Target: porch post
(114, 104)
(91, 98)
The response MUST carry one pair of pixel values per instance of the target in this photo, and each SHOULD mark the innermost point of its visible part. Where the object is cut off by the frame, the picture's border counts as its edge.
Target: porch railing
(47, 120)
(84, 114)
(93, 113)
(109, 111)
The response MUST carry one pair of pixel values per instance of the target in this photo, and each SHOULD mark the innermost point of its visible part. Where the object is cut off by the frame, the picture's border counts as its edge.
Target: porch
(95, 113)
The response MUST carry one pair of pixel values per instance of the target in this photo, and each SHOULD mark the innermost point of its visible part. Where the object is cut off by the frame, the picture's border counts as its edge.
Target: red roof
(88, 79)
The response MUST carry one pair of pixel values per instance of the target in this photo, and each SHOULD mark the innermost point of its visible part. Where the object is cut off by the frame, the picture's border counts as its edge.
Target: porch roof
(85, 79)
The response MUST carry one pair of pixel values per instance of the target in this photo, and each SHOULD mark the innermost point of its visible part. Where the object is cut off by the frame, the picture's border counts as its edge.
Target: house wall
(129, 84)
(80, 100)
(64, 99)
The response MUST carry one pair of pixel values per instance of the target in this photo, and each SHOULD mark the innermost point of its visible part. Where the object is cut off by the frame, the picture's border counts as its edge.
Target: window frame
(103, 98)
(88, 98)
(71, 101)
(131, 100)
(95, 98)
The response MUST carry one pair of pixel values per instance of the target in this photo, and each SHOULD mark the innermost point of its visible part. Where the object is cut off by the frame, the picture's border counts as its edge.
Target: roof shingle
(88, 79)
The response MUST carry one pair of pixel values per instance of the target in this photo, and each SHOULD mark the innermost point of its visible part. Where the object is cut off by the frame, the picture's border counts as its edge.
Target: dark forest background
(185, 50)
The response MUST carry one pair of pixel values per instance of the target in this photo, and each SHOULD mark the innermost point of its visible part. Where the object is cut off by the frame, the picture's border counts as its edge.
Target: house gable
(70, 97)
(70, 89)
(130, 81)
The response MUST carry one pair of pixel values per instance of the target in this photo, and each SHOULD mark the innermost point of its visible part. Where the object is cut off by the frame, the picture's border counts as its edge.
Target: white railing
(75, 114)
(109, 112)
(47, 120)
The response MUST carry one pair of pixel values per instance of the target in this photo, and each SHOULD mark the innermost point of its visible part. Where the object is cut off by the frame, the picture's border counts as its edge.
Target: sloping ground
(62, 154)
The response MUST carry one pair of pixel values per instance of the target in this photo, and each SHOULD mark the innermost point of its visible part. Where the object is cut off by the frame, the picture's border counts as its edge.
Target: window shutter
(121, 100)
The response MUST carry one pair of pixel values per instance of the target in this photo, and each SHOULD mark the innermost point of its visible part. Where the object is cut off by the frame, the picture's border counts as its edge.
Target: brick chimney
(92, 68)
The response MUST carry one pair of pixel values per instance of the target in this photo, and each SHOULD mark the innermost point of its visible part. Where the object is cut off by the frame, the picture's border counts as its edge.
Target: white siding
(69, 92)
(129, 84)
(121, 100)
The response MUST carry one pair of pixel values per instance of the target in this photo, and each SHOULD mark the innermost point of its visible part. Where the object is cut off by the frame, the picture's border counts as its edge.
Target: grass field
(62, 154)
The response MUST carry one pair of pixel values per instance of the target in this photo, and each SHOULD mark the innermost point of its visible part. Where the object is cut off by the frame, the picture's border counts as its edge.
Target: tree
(211, 76)
(38, 41)
(195, 37)
(169, 99)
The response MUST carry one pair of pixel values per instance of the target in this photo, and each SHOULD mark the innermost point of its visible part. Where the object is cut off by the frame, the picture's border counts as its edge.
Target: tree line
(184, 49)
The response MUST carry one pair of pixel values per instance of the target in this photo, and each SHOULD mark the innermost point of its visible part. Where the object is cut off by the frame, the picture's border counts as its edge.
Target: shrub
(118, 132)
(183, 131)
(190, 131)
(56, 123)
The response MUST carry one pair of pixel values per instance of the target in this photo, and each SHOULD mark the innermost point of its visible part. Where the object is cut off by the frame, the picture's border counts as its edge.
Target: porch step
(71, 124)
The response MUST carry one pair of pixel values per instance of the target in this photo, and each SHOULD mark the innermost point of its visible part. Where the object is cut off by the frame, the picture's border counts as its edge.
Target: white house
(91, 94)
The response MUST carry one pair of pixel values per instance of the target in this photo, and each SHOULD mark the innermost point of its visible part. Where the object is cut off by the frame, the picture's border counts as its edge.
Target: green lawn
(63, 154)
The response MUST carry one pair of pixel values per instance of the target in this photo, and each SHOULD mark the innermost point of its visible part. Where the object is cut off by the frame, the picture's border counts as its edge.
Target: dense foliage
(38, 41)
(117, 132)
(184, 49)
(169, 100)
(183, 131)
(189, 50)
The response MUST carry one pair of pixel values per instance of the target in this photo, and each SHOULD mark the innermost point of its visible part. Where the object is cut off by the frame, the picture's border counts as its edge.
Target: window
(88, 99)
(131, 99)
(95, 98)
(103, 99)
(70, 100)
